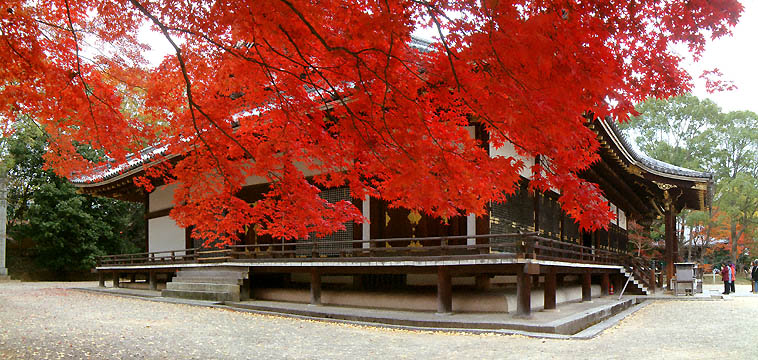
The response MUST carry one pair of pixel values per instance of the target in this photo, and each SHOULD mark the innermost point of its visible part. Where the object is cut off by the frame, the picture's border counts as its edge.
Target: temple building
(526, 255)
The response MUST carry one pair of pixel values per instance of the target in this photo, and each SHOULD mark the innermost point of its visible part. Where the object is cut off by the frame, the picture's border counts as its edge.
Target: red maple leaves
(331, 93)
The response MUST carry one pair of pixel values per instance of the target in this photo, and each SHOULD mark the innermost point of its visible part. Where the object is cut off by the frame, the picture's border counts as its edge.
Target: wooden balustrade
(518, 245)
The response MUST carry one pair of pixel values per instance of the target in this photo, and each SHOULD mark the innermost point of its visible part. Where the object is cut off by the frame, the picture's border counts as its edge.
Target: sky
(736, 57)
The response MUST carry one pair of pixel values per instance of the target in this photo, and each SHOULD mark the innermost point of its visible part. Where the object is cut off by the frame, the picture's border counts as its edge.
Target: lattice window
(516, 214)
(328, 246)
(550, 216)
(571, 229)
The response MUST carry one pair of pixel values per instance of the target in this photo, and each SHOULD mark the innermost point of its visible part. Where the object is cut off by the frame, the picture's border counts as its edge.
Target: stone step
(193, 286)
(212, 274)
(211, 280)
(201, 295)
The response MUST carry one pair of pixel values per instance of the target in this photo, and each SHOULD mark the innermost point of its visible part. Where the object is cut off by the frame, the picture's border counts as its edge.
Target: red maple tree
(281, 89)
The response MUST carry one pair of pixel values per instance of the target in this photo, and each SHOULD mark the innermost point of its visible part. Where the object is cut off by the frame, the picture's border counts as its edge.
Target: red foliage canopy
(284, 88)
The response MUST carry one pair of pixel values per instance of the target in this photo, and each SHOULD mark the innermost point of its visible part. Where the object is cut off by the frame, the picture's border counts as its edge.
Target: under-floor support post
(152, 280)
(550, 286)
(523, 293)
(587, 286)
(559, 279)
(315, 287)
(100, 279)
(133, 278)
(605, 284)
(444, 291)
(116, 279)
(653, 284)
(483, 282)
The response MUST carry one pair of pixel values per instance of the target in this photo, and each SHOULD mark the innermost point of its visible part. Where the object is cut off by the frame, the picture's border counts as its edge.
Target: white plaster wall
(165, 235)
(622, 219)
(507, 150)
(162, 197)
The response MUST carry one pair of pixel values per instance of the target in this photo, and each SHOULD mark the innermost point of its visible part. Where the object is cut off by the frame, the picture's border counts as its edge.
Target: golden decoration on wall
(414, 217)
(386, 219)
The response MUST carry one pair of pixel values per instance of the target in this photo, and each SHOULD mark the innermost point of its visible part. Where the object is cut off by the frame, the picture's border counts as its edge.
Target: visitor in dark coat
(725, 272)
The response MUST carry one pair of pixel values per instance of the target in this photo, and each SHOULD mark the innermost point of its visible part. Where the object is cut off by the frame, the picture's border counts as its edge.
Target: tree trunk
(707, 240)
(680, 238)
(3, 216)
(734, 238)
(690, 242)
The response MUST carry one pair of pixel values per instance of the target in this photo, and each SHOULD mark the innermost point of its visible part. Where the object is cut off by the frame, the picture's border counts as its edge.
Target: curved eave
(634, 158)
(132, 171)
(697, 187)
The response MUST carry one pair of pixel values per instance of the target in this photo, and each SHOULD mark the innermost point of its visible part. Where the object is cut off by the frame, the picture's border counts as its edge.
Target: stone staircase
(207, 283)
(638, 285)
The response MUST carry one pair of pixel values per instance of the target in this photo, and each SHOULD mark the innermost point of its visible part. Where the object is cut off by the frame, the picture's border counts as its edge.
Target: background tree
(67, 230)
(694, 133)
(733, 142)
(284, 88)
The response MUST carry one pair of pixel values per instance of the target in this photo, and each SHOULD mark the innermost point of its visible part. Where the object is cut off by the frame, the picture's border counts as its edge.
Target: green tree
(696, 134)
(734, 144)
(68, 229)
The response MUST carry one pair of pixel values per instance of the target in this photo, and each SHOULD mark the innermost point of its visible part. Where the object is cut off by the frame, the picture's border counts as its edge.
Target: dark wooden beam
(550, 286)
(315, 287)
(523, 294)
(605, 284)
(587, 286)
(444, 291)
(670, 233)
(152, 280)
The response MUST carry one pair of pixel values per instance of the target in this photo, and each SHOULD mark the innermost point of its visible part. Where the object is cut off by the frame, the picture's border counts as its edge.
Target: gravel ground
(49, 321)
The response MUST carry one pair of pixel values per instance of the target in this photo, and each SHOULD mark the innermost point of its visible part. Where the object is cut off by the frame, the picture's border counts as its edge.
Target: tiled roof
(108, 171)
(647, 161)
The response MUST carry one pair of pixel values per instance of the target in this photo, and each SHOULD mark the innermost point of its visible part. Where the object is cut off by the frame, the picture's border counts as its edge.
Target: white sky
(735, 56)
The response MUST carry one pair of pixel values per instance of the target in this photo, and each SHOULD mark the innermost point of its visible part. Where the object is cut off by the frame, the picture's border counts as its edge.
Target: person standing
(734, 276)
(754, 276)
(725, 278)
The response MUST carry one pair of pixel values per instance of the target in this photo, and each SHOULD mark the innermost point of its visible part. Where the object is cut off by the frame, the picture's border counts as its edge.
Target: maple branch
(444, 43)
(341, 99)
(188, 85)
(79, 73)
(164, 29)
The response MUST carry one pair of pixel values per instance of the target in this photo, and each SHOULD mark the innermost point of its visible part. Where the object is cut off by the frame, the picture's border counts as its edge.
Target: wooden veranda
(523, 254)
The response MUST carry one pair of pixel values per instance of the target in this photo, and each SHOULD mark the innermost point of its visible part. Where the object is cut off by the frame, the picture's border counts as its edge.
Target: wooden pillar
(444, 291)
(653, 284)
(366, 226)
(618, 282)
(100, 279)
(482, 282)
(550, 286)
(133, 278)
(152, 280)
(116, 279)
(523, 293)
(315, 287)
(670, 229)
(605, 284)
(587, 286)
